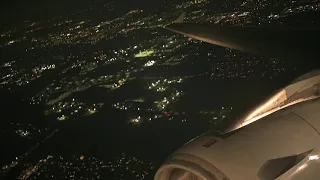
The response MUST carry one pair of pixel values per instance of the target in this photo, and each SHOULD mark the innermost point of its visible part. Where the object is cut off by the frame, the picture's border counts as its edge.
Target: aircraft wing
(276, 42)
(279, 139)
(283, 145)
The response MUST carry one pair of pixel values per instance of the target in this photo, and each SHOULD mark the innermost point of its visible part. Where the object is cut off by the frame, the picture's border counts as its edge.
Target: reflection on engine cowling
(180, 174)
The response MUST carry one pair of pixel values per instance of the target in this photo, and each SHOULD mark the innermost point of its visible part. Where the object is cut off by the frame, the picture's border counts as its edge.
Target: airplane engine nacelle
(279, 139)
(284, 145)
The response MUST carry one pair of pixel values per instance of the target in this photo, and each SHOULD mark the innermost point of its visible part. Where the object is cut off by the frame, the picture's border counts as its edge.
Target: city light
(62, 118)
(76, 167)
(136, 120)
(144, 53)
(149, 63)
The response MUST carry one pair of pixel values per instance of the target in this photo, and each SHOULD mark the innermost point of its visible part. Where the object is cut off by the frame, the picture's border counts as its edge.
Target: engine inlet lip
(189, 163)
(166, 170)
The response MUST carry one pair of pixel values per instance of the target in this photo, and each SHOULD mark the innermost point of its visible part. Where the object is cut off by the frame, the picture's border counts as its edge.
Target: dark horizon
(18, 11)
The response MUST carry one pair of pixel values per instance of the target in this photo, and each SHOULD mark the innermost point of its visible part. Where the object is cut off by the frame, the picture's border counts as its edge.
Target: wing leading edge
(279, 43)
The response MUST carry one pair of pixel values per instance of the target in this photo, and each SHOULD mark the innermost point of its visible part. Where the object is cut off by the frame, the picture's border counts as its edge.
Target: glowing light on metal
(270, 104)
(314, 157)
(302, 167)
(274, 110)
